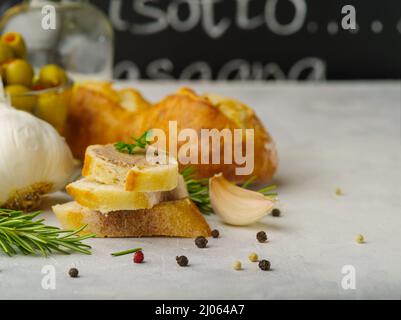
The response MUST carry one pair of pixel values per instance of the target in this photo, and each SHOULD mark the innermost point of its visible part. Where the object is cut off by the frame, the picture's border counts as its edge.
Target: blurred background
(234, 39)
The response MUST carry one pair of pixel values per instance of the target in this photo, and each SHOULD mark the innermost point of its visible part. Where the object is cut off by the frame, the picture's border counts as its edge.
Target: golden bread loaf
(100, 115)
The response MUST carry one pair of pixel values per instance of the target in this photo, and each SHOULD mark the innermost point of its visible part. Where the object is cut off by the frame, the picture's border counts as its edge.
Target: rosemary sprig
(20, 233)
(198, 189)
(130, 148)
(121, 253)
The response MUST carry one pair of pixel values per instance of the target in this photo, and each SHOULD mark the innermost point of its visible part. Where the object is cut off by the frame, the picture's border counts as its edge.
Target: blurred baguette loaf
(100, 114)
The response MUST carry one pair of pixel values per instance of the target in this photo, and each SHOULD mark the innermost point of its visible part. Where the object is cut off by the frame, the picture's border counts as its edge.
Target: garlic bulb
(236, 205)
(34, 160)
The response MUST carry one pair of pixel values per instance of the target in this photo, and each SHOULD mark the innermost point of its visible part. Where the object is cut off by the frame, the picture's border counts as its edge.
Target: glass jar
(80, 38)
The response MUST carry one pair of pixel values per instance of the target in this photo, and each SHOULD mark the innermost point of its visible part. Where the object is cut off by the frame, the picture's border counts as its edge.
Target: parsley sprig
(131, 148)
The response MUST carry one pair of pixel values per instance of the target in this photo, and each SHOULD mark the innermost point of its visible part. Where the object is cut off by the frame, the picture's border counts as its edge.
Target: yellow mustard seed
(359, 239)
(253, 257)
(237, 265)
(339, 192)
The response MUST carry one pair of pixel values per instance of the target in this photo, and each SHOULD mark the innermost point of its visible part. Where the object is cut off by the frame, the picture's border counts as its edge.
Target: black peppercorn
(261, 236)
(73, 272)
(264, 265)
(201, 242)
(215, 233)
(276, 212)
(182, 261)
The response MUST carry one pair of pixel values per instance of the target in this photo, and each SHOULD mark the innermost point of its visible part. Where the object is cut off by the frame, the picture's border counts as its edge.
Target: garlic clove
(236, 205)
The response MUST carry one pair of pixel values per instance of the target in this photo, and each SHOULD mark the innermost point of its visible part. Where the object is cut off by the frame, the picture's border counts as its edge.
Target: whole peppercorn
(264, 265)
(276, 212)
(215, 233)
(261, 236)
(359, 239)
(237, 265)
(253, 257)
(138, 257)
(73, 272)
(201, 242)
(182, 261)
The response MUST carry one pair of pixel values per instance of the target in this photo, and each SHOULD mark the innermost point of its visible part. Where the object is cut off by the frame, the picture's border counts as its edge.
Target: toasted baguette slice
(107, 198)
(104, 164)
(179, 218)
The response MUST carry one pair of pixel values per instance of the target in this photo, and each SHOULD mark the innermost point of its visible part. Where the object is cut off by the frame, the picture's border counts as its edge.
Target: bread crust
(96, 118)
(179, 218)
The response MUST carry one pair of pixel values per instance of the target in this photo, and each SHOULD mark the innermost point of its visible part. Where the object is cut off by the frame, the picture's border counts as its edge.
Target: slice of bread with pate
(107, 198)
(180, 218)
(139, 172)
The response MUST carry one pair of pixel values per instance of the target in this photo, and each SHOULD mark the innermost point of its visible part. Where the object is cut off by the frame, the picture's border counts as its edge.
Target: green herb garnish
(198, 189)
(20, 233)
(130, 148)
(122, 253)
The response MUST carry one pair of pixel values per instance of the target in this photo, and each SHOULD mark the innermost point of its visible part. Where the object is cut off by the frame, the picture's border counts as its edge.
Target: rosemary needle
(122, 253)
(247, 183)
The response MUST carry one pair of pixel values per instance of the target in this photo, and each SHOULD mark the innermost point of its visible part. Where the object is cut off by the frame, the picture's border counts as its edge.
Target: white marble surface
(331, 135)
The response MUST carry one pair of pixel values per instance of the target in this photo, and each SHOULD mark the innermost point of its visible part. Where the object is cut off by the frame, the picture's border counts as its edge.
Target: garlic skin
(235, 205)
(35, 159)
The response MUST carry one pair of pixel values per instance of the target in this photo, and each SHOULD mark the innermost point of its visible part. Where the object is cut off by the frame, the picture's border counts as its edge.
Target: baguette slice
(137, 172)
(107, 198)
(180, 218)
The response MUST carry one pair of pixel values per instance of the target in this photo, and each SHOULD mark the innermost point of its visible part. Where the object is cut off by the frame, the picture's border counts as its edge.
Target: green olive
(19, 72)
(6, 53)
(53, 108)
(52, 76)
(3, 74)
(16, 42)
(19, 97)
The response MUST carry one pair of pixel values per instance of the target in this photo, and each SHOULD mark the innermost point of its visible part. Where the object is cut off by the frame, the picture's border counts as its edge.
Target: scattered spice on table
(264, 265)
(73, 272)
(138, 257)
(339, 192)
(276, 212)
(360, 239)
(182, 261)
(201, 242)
(261, 236)
(237, 265)
(215, 233)
(253, 257)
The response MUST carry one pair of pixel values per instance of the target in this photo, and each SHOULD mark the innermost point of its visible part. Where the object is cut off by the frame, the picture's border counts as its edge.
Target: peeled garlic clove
(236, 205)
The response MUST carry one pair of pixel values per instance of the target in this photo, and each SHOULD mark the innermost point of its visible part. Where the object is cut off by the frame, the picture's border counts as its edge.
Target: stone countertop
(329, 135)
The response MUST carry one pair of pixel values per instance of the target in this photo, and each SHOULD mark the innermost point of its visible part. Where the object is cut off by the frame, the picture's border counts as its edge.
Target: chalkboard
(255, 39)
